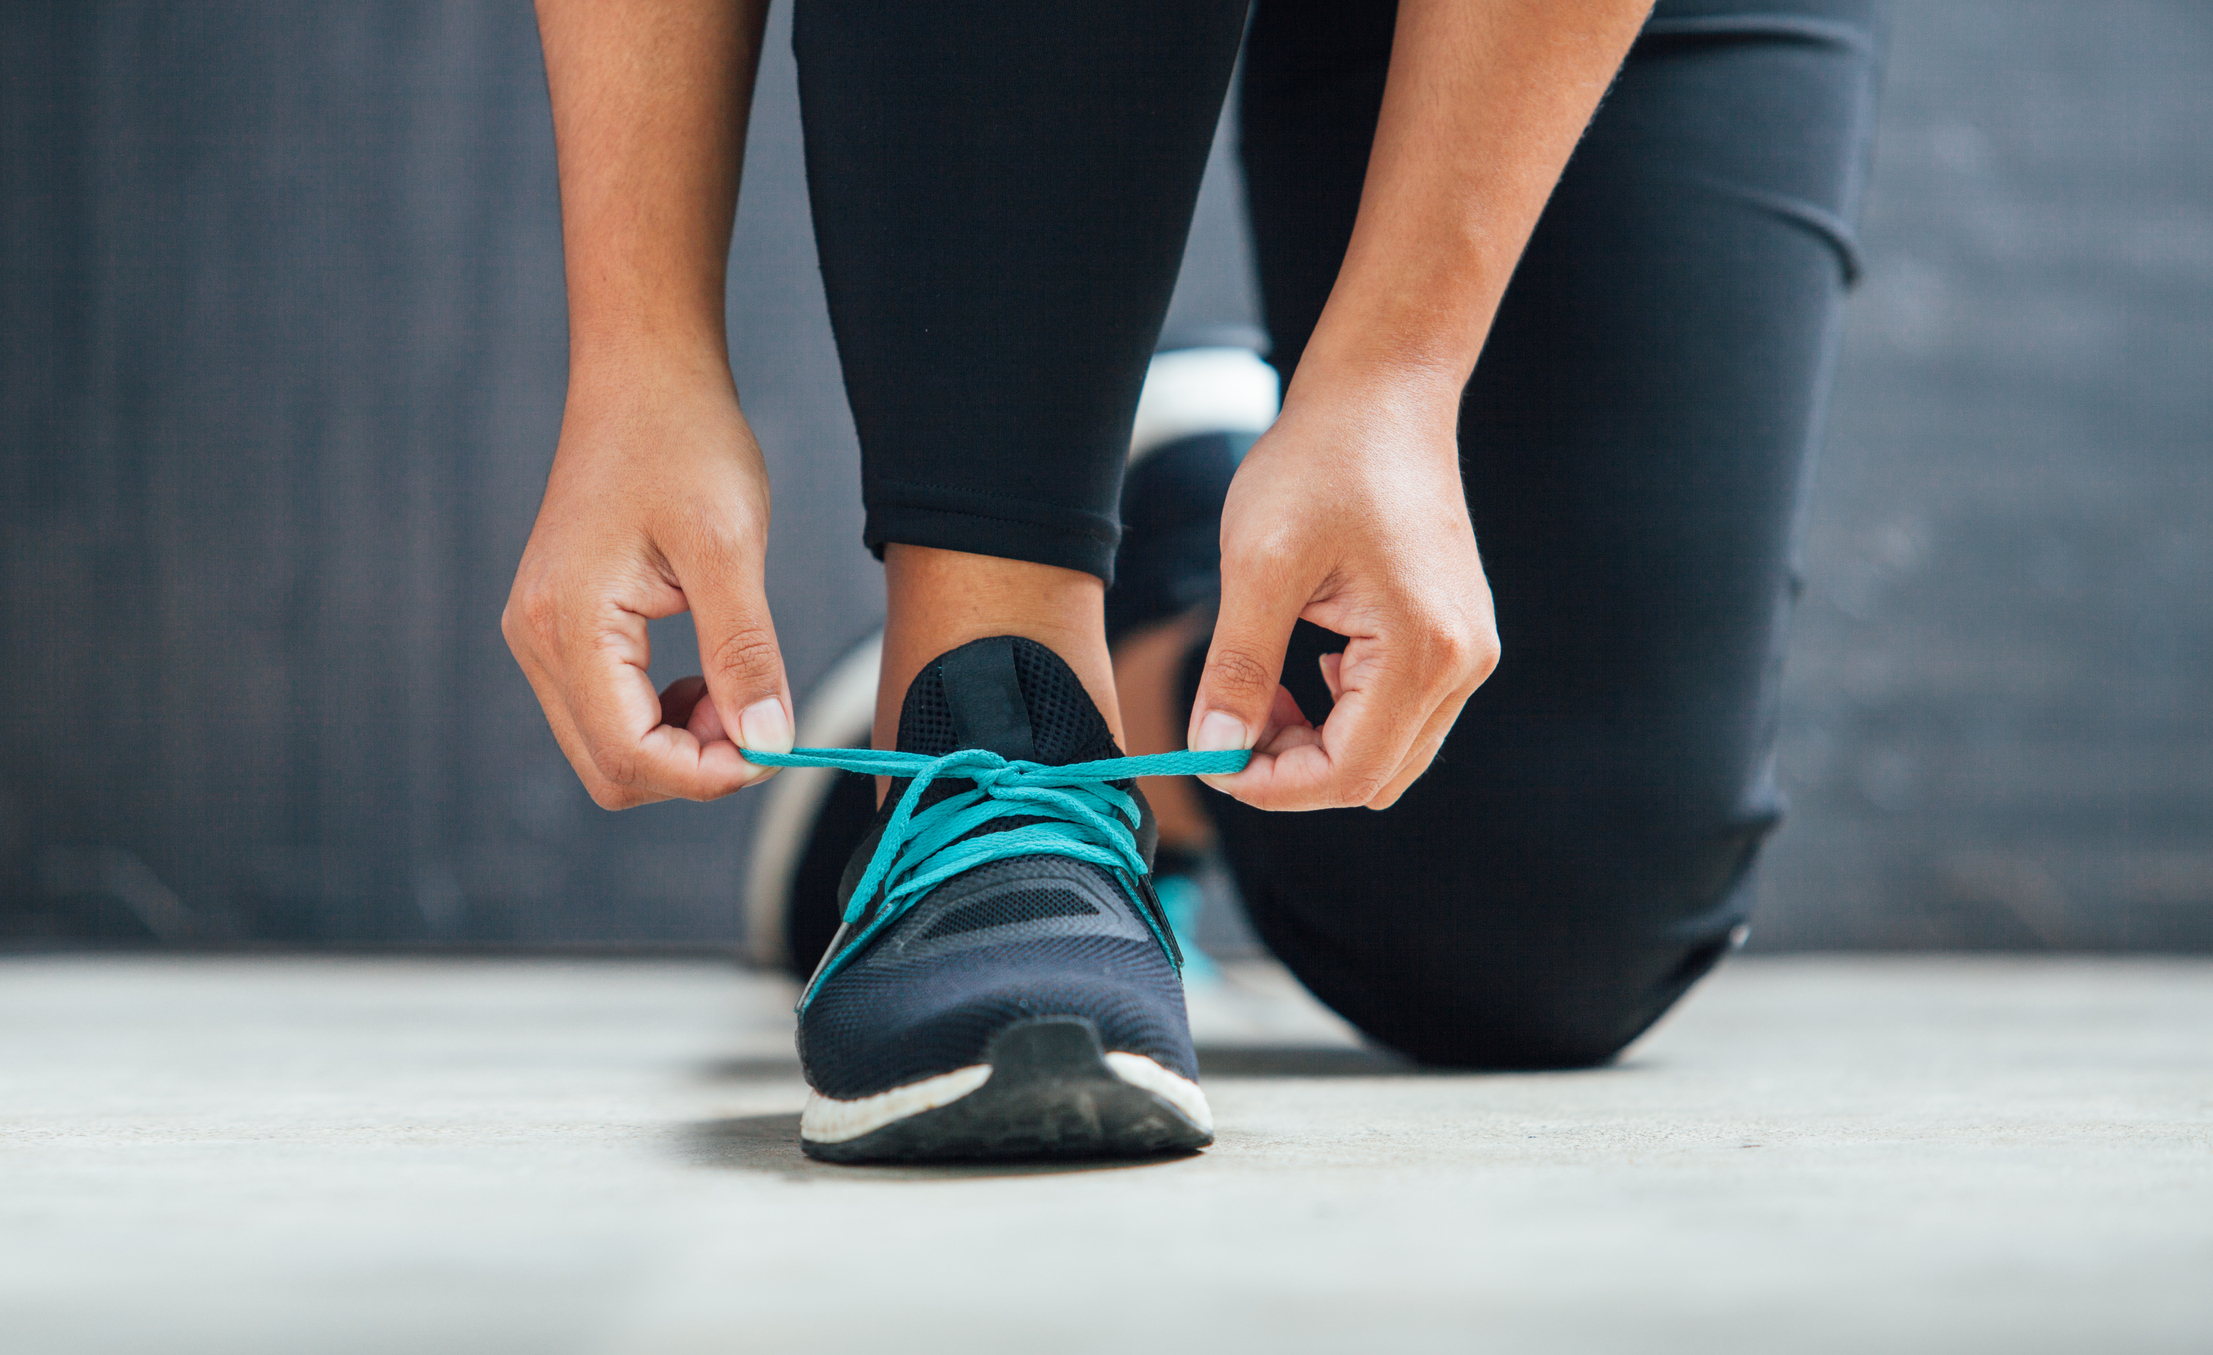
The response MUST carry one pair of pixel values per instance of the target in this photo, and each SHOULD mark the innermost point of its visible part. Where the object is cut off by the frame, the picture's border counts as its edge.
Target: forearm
(650, 99)
(1484, 103)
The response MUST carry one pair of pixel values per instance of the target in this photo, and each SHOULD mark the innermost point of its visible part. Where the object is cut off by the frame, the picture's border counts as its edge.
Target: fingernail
(764, 728)
(1221, 732)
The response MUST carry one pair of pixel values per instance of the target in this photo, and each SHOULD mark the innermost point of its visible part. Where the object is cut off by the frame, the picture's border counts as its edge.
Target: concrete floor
(375, 1155)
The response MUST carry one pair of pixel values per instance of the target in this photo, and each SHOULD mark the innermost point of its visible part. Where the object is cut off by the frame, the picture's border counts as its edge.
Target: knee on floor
(1530, 1012)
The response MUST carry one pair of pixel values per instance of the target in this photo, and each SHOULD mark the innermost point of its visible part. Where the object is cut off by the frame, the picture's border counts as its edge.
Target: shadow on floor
(770, 1143)
(1215, 1061)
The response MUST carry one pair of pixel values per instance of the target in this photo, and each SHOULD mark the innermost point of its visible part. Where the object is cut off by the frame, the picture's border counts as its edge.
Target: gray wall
(281, 326)
(1999, 720)
(285, 346)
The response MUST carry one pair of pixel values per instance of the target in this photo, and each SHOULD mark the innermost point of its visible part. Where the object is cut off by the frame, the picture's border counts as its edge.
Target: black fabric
(1063, 725)
(1636, 441)
(1008, 941)
(985, 697)
(1001, 196)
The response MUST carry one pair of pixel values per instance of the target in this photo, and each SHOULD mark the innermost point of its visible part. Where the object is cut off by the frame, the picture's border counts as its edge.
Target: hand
(1348, 513)
(658, 503)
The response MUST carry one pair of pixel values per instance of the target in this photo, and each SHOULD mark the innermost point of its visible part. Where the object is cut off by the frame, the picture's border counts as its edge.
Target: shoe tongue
(1012, 696)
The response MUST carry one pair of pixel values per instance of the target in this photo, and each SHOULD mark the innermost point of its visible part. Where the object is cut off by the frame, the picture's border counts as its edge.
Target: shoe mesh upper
(1009, 907)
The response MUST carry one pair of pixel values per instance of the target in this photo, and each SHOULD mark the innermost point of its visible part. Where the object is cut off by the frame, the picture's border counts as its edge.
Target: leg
(1636, 439)
(1001, 195)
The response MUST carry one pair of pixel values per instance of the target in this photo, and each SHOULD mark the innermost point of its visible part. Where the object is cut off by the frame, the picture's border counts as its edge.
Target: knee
(1539, 1011)
(1582, 1016)
(1553, 997)
(1537, 941)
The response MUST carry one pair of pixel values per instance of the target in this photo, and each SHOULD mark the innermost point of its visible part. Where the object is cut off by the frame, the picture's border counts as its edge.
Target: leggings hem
(944, 518)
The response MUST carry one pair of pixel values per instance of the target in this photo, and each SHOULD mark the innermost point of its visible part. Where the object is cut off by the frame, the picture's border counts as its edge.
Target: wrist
(614, 365)
(1377, 385)
(1405, 353)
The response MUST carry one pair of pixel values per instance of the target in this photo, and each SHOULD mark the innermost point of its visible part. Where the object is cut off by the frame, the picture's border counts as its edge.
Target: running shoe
(1004, 982)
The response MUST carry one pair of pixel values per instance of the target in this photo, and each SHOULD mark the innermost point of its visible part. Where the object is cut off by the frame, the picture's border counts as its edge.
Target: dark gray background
(281, 363)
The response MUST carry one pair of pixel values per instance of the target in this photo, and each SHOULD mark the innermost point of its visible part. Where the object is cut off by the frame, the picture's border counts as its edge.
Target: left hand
(1348, 513)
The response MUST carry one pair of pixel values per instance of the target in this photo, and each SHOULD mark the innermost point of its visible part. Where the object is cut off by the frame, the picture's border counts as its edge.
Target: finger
(1262, 595)
(1333, 664)
(533, 625)
(720, 573)
(637, 757)
(1286, 728)
(706, 723)
(1320, 770)
(553, 700)
(1424, 753)
(606, 794)
(1483, 658)
(686, 705)
(1385, 697)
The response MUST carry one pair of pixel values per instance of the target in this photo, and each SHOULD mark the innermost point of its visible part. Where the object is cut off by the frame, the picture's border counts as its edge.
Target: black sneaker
(1025, 1006)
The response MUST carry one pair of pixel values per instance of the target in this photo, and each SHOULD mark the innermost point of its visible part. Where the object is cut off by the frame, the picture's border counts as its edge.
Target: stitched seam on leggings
(959, 502)
(984, 534)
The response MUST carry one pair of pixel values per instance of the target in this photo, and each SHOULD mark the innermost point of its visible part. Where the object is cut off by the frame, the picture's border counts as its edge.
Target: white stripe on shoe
(830, 1121)
(1178, 1091)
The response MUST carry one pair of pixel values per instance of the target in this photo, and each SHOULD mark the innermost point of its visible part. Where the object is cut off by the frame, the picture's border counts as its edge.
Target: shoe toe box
(980, 954)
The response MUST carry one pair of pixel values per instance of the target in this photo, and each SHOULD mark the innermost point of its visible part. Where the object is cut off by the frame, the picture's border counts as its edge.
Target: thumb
(743, 664)
(1244, 664)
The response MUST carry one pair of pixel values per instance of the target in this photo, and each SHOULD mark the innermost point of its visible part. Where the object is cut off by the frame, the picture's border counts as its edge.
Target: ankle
(939, 600)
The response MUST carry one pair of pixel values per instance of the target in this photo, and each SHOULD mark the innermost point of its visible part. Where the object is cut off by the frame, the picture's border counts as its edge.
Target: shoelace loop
(1084, 816)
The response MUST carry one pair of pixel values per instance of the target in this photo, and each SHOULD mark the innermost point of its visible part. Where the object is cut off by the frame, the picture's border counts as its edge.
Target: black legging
(1001, 195)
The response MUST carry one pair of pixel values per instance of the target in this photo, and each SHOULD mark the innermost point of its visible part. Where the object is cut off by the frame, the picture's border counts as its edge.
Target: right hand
(658, 503)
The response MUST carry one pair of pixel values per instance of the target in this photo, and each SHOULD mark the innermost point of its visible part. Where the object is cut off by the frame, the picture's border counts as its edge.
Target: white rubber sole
(830, 1121)
(1049, 1092)
(1177, 1090)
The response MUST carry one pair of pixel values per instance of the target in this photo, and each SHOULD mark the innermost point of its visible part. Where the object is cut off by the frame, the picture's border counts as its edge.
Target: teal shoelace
(1085, 818)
